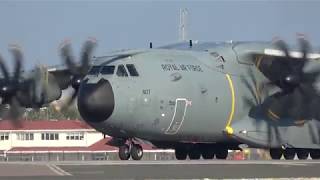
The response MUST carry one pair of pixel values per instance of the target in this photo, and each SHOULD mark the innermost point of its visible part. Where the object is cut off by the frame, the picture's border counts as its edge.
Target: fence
(80, 156)
(107, 155)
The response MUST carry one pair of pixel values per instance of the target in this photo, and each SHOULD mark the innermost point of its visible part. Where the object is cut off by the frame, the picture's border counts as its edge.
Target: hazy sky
(39, 27)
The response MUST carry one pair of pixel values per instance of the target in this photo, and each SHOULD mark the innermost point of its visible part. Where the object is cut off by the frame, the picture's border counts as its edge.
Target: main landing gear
(196, 151)
(131, 149)
(289, 153)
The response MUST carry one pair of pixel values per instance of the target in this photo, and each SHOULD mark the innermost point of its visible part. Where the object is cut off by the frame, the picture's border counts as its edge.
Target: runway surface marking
(58, 170)
(22, 170)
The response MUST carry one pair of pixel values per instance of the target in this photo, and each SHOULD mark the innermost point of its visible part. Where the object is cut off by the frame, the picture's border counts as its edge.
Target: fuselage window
(122, 71)
(94, 70)
(132, 70)
(107, 70)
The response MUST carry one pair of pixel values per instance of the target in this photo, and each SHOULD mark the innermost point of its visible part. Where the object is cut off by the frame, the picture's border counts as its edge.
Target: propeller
(297, 87)
(78, 72)
(10, 85)
(297, 98)
(20, 92)
(297, 94)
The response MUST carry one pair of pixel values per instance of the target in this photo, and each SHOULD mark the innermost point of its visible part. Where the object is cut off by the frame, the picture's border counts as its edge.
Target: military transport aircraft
(199, 98)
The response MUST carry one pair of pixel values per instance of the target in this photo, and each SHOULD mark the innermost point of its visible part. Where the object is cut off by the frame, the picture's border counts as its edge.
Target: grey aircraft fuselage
(191, 94)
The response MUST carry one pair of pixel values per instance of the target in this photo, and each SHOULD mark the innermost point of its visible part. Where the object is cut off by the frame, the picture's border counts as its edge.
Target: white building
(48, 140)
(47, 134)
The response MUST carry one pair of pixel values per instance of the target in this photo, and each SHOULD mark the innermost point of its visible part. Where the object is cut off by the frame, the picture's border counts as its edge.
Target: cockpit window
(132, 70)
(107, 70)
(122, 71)
(94, 70)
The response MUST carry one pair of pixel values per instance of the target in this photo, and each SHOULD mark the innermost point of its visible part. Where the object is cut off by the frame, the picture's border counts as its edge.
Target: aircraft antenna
(183, 24)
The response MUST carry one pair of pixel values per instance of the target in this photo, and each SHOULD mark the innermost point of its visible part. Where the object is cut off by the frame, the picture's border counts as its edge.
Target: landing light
(243, 132)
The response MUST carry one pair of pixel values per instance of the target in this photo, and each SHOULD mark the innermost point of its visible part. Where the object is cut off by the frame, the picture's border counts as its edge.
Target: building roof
(45, 125)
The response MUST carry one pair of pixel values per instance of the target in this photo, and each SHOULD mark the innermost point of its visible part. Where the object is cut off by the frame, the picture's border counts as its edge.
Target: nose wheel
(135, 151)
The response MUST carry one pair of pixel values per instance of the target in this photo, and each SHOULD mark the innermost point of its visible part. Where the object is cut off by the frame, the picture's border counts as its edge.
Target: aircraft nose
(96, 101)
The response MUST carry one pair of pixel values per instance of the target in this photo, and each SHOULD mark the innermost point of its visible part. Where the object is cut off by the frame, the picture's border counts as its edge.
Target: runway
(159, 169)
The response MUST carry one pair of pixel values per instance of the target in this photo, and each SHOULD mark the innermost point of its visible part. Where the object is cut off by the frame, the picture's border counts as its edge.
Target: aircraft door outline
(178, 117)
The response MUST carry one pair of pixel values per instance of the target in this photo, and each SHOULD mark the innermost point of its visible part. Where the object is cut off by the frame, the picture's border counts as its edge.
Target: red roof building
(47, 135)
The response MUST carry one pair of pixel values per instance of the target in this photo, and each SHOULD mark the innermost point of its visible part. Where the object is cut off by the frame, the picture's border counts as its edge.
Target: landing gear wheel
(302, 154)
(181, 153)
(221, 153)
(289, 153)
(207, 153)
(124, 152)
(136, 152)
(276, 153)
(315, 154)
(194, 154)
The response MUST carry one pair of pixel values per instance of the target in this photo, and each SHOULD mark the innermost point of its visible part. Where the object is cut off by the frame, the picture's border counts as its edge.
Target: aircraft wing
(295, 54)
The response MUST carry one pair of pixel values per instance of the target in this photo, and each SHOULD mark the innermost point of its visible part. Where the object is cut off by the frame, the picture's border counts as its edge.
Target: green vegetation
(51, 112)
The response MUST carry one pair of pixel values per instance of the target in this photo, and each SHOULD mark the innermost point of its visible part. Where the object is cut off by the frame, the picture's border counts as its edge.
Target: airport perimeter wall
(80, 156)
(105, 156)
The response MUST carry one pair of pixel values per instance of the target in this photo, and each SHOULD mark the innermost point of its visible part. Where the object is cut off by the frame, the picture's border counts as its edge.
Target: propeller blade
(269, 133)
(66, 55)
(296, 111)
(17, 55)
(251, 86)
(68, 101)
(282, 46)
(297, 66)
(72, 99)
(304, 46)
(40, 83)
(4, 69)
(86, 53)
(251, 89)
(3, 110)
(15, 112)
(248, 102)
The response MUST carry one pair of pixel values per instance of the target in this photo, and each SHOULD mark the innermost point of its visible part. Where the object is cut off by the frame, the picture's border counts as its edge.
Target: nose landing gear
(133, 150)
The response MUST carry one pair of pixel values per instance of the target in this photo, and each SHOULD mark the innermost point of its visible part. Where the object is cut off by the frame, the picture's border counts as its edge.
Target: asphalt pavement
(160, 169)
